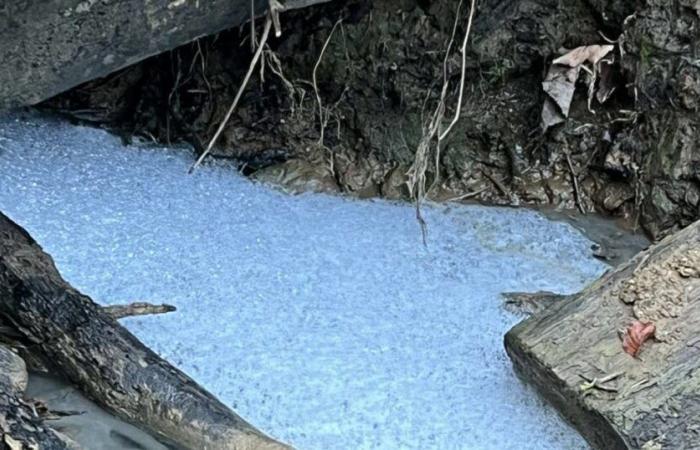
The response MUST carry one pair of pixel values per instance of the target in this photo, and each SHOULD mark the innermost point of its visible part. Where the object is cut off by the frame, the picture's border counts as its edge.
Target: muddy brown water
(88, 424)
(616, 240)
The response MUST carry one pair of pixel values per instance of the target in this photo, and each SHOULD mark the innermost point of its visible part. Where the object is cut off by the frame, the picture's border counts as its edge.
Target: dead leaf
(559, 85)
(587, 53)
(635, 335)
(560, 82)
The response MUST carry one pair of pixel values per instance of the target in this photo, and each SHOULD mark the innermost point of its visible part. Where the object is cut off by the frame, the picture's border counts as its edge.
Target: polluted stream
(322, 320)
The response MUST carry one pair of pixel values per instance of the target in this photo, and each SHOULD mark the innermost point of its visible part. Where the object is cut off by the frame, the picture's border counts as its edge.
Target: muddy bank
(614, 241)
(633, 156)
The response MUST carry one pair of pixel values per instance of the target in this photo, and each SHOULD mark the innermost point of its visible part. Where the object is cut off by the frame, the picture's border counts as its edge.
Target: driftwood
(136, 309)
(573, 351)
(104, 360)
(20, 426)
(530, 302)
(49, 47)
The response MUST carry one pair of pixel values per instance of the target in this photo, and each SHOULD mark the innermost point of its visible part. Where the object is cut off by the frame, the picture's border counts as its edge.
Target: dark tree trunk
(49, 47)
(573, 351)
(106, 361)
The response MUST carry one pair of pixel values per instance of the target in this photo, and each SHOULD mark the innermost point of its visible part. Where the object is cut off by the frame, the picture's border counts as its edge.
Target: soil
(633, 157)
(614, 241)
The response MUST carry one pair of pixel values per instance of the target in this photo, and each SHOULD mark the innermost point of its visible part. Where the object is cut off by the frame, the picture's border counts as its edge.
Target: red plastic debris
(635, 335)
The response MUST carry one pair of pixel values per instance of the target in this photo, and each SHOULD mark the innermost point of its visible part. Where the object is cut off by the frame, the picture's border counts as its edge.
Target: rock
(93, 427)
(13, 371)
(394, 186)
(20, 428)
(297, 176)
(614, 195)
(359, 176)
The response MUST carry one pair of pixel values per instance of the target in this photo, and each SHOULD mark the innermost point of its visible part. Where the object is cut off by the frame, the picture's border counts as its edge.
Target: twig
(641, 385)
(465, 196)
(136, 309)
(574, 178)
(232, 108)
(498, 183)
(599, 383)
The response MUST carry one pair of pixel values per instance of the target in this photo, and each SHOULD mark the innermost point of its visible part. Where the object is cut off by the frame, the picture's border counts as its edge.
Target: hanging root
(232, 108)
(272, 19)
(275, 65)
(323, 114)
(433, 132)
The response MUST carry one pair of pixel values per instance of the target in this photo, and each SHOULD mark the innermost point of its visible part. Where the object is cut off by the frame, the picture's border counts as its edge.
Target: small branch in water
(136, 309)
(574, 178)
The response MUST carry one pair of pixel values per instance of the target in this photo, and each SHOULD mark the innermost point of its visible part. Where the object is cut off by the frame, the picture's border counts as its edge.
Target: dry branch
(136, 309)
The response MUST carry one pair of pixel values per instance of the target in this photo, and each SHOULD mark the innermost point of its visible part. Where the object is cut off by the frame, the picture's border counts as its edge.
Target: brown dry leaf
(560, 82)
(559, 86)
(635, 335)
(588, 53)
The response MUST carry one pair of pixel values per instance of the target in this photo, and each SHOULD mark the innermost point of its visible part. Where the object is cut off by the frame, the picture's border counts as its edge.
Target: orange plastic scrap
(635, 335)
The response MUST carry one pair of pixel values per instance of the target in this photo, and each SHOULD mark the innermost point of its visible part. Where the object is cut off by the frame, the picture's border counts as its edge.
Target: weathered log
(136, 309)
(49, 47)
(20, 427)
(106, 361)
(573, 351)
(530, 302)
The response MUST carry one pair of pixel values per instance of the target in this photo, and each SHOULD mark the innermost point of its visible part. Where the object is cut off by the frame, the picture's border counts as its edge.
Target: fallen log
(20, 426)
(573, 351)
(49, 47)
(104, 360)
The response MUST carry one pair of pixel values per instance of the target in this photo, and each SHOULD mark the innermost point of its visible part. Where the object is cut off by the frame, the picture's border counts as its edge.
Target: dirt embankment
(380, 75)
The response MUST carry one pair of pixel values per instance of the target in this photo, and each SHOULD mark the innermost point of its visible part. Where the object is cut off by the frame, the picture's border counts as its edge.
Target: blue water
(322, 320)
